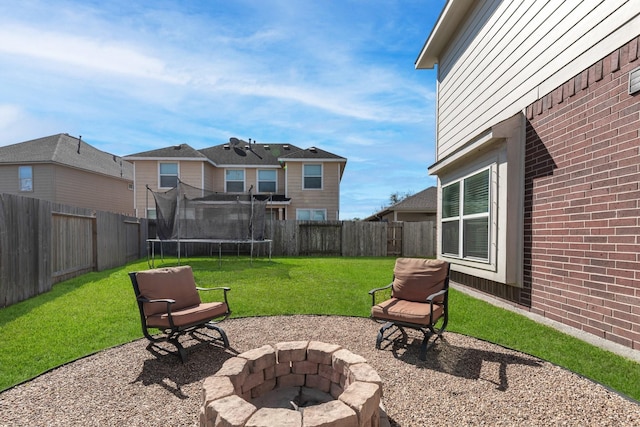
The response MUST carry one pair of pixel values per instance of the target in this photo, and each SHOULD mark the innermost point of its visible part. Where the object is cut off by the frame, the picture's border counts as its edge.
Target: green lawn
(97, 310)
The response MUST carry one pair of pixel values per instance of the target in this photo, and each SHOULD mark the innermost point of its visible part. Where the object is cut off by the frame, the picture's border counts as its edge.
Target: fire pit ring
(296, 384)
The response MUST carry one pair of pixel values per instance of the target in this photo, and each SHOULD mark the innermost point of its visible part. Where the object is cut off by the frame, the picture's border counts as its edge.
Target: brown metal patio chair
(419, 300)
(168, 300)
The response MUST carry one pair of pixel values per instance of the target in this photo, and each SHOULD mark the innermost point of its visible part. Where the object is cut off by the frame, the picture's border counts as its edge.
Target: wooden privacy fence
(43, 243)
(330, 238)
(353, 238)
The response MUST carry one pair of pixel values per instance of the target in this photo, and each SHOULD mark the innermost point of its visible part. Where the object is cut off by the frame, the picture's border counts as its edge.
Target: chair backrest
(414, 279)
(175, 283)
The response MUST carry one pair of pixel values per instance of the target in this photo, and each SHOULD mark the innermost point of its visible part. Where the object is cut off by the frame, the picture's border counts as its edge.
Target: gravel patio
(464, 381)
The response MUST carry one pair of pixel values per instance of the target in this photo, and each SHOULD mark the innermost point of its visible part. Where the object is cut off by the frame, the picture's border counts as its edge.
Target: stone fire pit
(294, 384)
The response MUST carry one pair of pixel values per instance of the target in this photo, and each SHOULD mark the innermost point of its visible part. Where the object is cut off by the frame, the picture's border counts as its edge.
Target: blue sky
(131, 76)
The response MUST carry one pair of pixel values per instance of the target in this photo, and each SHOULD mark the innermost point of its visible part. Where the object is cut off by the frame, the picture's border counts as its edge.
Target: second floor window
(465, 217)
(234, 180)
(25, 175)
(168, 175)
(266, 181)
(312, 177)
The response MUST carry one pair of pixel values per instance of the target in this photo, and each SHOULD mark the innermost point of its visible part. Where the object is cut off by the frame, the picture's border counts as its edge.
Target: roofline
(244, 166)
(155, 159)
(452, 15)
(417, 210)
(306, 159)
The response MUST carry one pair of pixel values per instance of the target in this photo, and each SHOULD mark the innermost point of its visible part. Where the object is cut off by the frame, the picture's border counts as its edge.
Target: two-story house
(538, 158)
(302, 184)
(65, 169)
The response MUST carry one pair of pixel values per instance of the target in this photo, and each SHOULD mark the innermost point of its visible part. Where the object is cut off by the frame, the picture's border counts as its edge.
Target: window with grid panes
(267, 181)
(312, 176)
(465, 217)
(234, 179)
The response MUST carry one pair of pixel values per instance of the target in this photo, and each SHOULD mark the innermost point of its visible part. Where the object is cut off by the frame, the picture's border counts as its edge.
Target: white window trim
(310, 210)
(504, 152)
(461, 217)
(160, 175)
(258, 180)
(321, 176)
(244, 180)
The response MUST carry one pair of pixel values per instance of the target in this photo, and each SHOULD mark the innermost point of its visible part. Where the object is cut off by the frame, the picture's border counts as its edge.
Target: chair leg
(425, 344)
(223, 335)
(182, 353)
(381, 332)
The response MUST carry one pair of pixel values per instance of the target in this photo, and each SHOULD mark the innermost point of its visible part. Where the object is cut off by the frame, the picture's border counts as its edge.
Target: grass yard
(96, 311)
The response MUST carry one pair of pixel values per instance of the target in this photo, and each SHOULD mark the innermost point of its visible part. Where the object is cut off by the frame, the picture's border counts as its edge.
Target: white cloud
(78, 51)
(9, 115)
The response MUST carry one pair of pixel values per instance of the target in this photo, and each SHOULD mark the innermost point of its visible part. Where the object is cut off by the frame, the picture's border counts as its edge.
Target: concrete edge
(611, 346)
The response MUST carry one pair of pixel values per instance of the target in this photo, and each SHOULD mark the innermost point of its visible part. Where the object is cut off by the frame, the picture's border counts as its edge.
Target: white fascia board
(313, 160)
(167, 159)
(445, 28)
(477, 144)
(248, 166)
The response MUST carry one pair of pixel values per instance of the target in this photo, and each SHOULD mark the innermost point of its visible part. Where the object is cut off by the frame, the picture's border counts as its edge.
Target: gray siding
(510, 53)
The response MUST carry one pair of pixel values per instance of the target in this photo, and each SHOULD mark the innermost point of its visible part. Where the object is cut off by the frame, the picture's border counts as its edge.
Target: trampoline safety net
(187, 212)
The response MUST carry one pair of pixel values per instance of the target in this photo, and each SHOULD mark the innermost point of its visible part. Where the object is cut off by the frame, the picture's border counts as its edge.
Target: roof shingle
(69, 151)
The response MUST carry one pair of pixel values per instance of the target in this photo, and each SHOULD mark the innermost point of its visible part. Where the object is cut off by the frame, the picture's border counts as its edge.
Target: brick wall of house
(582, 201)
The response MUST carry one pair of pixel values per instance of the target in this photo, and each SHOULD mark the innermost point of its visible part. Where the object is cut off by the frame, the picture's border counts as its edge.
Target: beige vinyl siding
(89, 190)
(43, 181)
(250, 178)
(281, 181)
(74, 187)
(209, 176)
(511, 53)
(190, 173)
(147, 173)
(326, 198)
(218, 180)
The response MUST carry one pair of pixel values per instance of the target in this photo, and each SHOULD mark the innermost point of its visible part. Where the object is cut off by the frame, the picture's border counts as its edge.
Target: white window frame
(259, 181)
(462, 217)
(304, 176)
(311, 213)
(227, 180)
(152, 213)
(160, 174)
(25, 184)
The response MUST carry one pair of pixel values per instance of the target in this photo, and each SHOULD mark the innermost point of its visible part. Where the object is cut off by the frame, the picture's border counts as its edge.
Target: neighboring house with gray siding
(537, 159)
(422, 206)
(65, 169)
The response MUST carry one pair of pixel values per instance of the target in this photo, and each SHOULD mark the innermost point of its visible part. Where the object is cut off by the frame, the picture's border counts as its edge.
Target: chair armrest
(430, 299)
(437, 294)
(213, 289)
(372, 292)
(168, 301)
(219, 288)
(147, 300)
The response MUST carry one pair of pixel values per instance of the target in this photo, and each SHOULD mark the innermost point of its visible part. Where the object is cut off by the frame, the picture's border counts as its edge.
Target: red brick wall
(582, 201)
